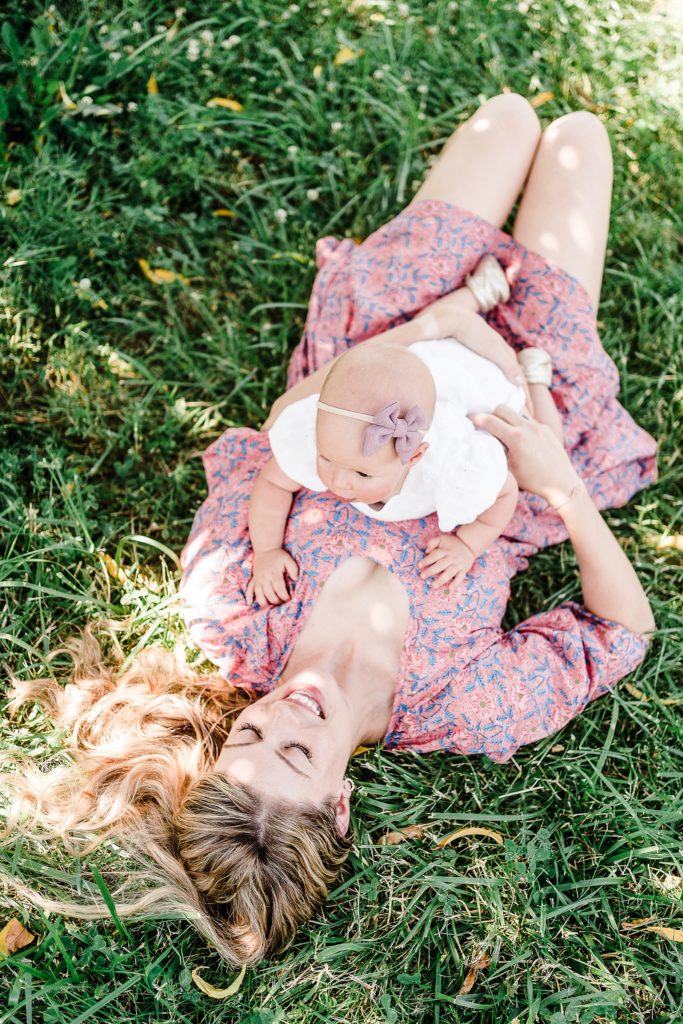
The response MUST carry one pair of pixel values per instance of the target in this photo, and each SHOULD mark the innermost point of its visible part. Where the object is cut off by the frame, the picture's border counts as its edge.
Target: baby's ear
(418, 453)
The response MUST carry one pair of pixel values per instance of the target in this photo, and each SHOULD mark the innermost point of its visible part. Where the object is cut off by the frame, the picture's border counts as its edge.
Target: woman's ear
(418, 453)
(343, 808)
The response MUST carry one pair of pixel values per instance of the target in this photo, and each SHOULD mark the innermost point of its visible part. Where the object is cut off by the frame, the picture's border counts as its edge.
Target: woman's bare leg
(564, 213)
(484, 164)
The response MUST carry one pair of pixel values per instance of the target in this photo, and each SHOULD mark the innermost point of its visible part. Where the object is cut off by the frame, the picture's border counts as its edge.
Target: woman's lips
(310, 696)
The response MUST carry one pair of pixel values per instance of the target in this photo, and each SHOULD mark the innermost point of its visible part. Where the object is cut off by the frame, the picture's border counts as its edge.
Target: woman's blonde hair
(247, 871)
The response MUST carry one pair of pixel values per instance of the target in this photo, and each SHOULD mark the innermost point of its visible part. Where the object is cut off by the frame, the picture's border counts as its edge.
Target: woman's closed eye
(287, 746)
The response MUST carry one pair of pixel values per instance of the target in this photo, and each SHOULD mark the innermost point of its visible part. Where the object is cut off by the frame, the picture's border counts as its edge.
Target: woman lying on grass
(242, 809)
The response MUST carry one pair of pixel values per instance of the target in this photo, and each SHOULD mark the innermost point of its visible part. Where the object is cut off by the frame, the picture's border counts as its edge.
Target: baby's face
(347, 473)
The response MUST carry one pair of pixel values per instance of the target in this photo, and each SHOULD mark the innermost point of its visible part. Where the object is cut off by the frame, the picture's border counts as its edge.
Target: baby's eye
(366, 476)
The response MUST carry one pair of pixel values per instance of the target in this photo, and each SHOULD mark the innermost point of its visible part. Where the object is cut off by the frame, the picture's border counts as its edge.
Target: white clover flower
(137, 26)
(292, 150)
(336, 126)
(378, 74)
(193, 49)
(403, 10)
(294, 8)
(280, 215)
(423, 89)
(331, 87)
(179, 12)
(102, 30)
(313, 194)
(206, 36)
(453, 6)
(86, 101)
(85, 284)
(132, 106)
(231, 41)
(115, 56)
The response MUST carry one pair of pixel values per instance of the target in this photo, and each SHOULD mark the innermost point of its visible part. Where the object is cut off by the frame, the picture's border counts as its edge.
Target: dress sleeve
(540, 675)
(525, 685)
(292, 442)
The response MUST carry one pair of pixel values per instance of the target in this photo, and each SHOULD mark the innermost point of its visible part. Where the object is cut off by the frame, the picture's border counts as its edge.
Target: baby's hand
(448, 558)
(267, 584)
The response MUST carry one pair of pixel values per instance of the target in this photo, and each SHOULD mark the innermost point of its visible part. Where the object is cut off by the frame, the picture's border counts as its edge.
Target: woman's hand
(537, 458)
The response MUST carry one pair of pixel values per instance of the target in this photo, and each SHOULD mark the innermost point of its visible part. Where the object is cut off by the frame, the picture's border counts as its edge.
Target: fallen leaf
(152, 86)
(543, 97)
(114, 570)
(479, 965)
(218, 993)
(675, 934)
(635, 692)
(317, 71)
(409, 832)
(223, 101)
(638, 923)
(14, 196)
(223, 212)
(159, 275)
(462, 832)
(667, 541)
(557, 749)
(13, 937)
(346, 55)
(360, 750)
(66, 99)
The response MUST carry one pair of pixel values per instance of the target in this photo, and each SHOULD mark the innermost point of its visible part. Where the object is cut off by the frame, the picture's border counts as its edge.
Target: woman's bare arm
(611, 588)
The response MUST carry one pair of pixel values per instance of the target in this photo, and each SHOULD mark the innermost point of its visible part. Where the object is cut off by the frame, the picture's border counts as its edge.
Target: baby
(389, 432)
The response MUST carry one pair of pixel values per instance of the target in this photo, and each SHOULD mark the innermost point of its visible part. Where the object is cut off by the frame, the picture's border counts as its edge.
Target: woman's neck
(369, 695)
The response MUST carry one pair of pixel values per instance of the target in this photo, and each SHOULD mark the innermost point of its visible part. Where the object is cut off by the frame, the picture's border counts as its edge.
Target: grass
(111, 386)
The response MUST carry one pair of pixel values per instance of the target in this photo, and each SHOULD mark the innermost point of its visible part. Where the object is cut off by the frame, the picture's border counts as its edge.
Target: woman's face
(294, 743)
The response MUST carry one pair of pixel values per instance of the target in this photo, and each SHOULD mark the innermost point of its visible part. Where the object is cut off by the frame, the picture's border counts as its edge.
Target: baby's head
(364, 380)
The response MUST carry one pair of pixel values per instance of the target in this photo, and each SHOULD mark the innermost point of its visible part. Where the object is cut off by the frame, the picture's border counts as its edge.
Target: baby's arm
(271, 500)
(487, 527)
(451, 556)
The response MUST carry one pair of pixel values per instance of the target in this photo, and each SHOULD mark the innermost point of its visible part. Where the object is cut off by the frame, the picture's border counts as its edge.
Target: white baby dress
(463, 470)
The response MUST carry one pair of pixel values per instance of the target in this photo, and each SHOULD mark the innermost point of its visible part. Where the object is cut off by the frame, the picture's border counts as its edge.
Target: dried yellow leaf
(13, 937)
(223, 101)
(541, 98)
(360, 750)
(635, 692)
(14, 196)
(218, 993)
(675, 934)
(638, 923)
(66, 99)
(462, 832)
(408, 832)
(152, 86)
(667, 541)
(114, 570)
(471, 976)
(159, 275)
(224, 212)
(317, 71)
(346, 55)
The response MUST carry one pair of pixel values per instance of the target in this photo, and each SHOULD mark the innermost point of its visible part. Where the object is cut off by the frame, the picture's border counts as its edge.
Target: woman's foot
(536, 365)
(488, 284)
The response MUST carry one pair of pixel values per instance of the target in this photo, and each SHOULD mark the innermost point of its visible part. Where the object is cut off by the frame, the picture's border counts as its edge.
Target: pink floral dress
(465, 684)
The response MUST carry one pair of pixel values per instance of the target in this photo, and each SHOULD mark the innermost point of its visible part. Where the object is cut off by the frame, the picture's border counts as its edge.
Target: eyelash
(365, 476)
(293, 743)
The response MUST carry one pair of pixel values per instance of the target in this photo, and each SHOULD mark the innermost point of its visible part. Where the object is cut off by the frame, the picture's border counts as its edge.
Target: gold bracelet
(572, 494)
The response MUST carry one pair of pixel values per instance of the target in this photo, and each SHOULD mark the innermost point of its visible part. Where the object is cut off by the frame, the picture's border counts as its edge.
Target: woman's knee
(577, 134)
(512, 115)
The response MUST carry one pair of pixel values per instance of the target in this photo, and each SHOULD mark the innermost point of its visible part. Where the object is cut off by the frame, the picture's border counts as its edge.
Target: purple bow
(387, 424)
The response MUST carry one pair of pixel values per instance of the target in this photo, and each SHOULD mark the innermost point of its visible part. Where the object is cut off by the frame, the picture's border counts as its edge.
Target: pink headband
(386, 425)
